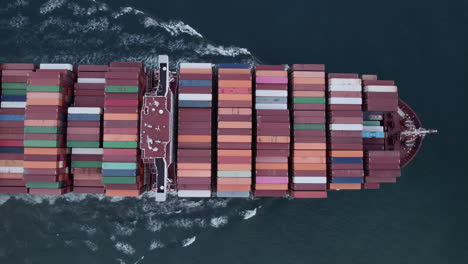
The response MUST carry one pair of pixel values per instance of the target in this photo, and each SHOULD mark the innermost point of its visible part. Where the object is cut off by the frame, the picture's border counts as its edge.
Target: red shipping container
(234, 145)
(123, 123)
(309, 133)
(11, 189)
(308, 67)
(7, 182)
(48, 191)
(273, 146)
(193, 180)
(91, 86)
(309, 173)
(309, 186)
(346, 166)
(188, 159)
(271, 173)
(344, 75)
(194, 186)
(95, 190)
(272, 193)
(194, 152)
(309, 194)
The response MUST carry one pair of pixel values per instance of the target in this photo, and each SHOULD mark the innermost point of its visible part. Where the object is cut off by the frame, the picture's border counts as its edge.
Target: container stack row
(272, 131)
(12, 112)
(194, 140)
(122, 172)
(373, 135)
(380, 96)
(89, 88)
(345, 127)
(309, 148)
(48, 94)
(234, 147)
(381, 167)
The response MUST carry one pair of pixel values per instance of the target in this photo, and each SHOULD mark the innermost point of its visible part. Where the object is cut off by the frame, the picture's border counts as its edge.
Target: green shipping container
(86, 164)
(20, 86)
(13, 92)
(82, 144)
(372, 123)
(42, 143)
(119, 180)
(120, 144)
(119, 165)
(45, 185)
(44, 88)
(309, 100)
(42, 130)
(309, 126)
(122, 89)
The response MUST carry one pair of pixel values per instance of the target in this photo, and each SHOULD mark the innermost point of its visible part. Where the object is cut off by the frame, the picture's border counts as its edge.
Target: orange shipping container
(83, 176)
(235, 97)
(308, 93)
(234, 153)
(346, 153)
(200, 71)
(310, 146)
(309, 153)
(194, 166)
(308, 74)
(271, 73)
(58, 102)
(309, 160)
(45, 151)
(127, 193)
(187, 138)
(345, 186)
(14, 176)
(132, 117)
(234, 187)
(235, 83)
(271, 186)
(301, 166)
(234, 124)
(234, 167)
(33, 95)
(11, 163)
(308, 80)
(50, 123)
(113, 137)
(234, 111)
(194, 173)
(222, 180)
(243, 139)
(273, 139)
(42, 164)
(235, 71)
(271, 166)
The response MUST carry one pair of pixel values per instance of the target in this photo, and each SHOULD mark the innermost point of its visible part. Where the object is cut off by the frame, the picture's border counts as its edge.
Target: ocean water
(421, 219)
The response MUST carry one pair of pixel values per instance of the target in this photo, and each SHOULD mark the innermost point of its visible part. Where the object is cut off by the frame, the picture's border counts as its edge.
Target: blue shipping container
(16, 150)
(378, 134)
(14, 98)
(347, 179)
(195, 83)
(346, 160)
(84, 117)
(195, 104)
(119, 173)
(11, 117)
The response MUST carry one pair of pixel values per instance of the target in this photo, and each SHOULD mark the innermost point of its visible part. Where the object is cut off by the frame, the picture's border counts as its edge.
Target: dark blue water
(421, 219)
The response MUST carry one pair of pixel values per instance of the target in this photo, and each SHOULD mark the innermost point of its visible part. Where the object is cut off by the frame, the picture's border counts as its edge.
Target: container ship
(206, 130)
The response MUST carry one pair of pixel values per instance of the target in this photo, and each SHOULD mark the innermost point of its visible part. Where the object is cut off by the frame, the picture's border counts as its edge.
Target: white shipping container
(196, 65)
(13, 104)
(271, 93)
(381, 88)
(195, 97)
(91, 80)
(85, 110)
(345, 100)
(87, 151)
(235, 174)
(271, 106)
(11, 170)
(56, 66)
(344, 88)
(340, 81)
(373, 129)
(310, 179)
(346, 127)
(194, 193)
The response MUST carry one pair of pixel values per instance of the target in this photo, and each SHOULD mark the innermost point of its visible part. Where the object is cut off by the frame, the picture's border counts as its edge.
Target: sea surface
(421, 219)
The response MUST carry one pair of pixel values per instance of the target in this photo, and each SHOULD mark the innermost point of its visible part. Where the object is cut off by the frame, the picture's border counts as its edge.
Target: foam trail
(189, 241)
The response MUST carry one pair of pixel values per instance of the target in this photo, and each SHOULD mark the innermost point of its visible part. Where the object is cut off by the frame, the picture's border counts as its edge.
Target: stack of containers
(234, 148)
(380, 95)
(373, 132)
(273, 131)
(89, 88)
(84, 137)
(45, 159)
(381, 167)
(194, 147)
(345, 126)
(13, 102)
(122, 172)
(309, 155)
